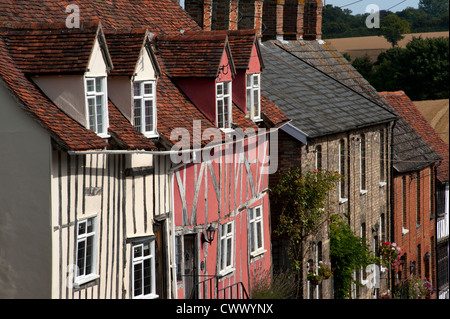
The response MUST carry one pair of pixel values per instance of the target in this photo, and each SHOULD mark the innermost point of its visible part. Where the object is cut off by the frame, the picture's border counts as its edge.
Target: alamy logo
(373, 19)
(73, 19)
(373, 276)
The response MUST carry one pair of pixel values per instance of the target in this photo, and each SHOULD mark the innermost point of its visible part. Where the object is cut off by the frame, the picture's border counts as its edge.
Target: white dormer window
(253, 96)
(223, 97)
(96, 105)
(145, 107)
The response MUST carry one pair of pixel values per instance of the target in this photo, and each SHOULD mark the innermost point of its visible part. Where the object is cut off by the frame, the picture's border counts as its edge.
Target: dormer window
(253, 96)
(96, 105)
(223, 98)
(145, 107)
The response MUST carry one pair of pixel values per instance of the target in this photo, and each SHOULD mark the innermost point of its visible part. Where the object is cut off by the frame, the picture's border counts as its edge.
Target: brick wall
(414, 222)
(370, 207)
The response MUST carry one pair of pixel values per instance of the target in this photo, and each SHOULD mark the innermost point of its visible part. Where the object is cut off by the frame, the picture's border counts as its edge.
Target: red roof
(68, 134)
(408, 111)
(50, 49)
(196, 54)
(155, 15)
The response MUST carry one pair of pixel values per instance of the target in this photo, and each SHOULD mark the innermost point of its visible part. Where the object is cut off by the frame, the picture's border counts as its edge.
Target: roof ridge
(36, 26)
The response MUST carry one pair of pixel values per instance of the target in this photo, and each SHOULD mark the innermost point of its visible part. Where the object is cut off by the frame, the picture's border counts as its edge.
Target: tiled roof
(155, 15)
(407, 110)
(67, 133)
(125, 47)
(124, 133)
(328, 60)
(193, 55)
(316, 103)
(49, 50)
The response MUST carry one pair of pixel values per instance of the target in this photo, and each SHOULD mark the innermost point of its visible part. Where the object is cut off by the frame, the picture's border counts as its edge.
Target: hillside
(436, 112)
(374, 45)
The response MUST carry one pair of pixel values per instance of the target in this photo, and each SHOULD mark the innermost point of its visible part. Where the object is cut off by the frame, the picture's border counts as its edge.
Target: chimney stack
(312, 29)
(272, 19)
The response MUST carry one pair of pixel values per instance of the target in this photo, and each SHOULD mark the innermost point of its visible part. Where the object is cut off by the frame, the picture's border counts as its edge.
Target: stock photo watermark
(73, 19)
(373, 19)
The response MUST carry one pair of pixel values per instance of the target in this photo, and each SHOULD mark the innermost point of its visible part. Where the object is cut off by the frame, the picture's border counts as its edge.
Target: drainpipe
(436, 227)
(391, 191)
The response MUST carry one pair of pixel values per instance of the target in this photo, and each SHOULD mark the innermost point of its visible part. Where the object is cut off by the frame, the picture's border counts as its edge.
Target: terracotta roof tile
(155, 15)
(67, 133)
(408, 111)
(49, 50)
(192, 55)
(125, 133)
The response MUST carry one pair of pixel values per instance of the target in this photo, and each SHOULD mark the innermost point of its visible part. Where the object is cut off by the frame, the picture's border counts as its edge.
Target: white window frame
(362, 159)
(141, 123)
(139, 261)
(222, 98)
(341, 172)
(251, 89)
(226, 236)
(83, 277)
(256, 223)
(97, 112)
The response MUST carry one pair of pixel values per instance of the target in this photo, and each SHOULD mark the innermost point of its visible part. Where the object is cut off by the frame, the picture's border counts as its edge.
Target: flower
(390, 254)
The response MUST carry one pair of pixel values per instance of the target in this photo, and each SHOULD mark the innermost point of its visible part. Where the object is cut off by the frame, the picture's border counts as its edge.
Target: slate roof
(408, 111)
(316, 103)
(327, 59)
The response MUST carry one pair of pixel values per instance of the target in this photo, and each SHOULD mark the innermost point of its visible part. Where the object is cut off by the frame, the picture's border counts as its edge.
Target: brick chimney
(312, 21)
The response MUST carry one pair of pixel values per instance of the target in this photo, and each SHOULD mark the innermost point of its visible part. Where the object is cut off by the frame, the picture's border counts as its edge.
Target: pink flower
(315, 171)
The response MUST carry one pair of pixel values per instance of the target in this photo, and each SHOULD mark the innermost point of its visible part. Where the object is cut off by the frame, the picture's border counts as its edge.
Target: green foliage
(300, 199)
(392, 28)
(431, 16)
(280, 285)
(348, 253)
(420, 69)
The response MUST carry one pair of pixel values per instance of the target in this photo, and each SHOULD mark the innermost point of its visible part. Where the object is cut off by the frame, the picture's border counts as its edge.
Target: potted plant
(313, 278)
(324, 270)
(390, 254)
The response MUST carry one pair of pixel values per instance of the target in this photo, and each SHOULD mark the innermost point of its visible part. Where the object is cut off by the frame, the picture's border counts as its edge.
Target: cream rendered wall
(25, 232)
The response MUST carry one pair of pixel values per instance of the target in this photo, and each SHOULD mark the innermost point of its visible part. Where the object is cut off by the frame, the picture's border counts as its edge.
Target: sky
(359, 6)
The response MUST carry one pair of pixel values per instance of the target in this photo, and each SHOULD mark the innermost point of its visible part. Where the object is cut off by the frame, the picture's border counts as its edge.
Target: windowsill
(363, 191)
(258, 253)
(382, 184)
(343, 200)
(151, 135)
(85, 279)
(226, 272)
(257, 119)
(149, 296)
(103, 135)
(227, 130)
(405, 231)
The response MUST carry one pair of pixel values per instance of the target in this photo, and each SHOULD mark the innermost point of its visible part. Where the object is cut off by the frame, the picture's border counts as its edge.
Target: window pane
(82, 228)
(229, 229)
(256, 80)
(220, 115)
(258, 212)
(219, 89)
(147, 277)
(229, 252)
(226, 87)
(148, 88)
(80, 257)
(90, 83)
(252, 237)
(99, 85)
(90, 225)
(137, 89)
(137, 251)
(259, 234)
(147, 251)
(138, 114)
(256, 103)
(137, 279)
(89, 254)
(149, 116)
(249, 80)
(91, 110)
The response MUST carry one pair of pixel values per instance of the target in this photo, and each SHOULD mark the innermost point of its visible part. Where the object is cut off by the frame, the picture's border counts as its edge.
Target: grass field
(436, 113)
(373, 46)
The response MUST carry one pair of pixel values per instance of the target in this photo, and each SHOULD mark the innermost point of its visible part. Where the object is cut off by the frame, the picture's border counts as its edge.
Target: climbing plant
(301, 201)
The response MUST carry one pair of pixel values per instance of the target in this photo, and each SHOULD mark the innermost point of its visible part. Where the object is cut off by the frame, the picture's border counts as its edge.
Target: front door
(190, 266)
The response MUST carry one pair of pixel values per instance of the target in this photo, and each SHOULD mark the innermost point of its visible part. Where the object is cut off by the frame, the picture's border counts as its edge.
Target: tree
(393, 28)
(300, 200)
(434, 7)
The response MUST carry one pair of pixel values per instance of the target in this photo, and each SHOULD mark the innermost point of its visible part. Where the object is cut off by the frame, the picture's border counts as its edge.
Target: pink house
(220, 192)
